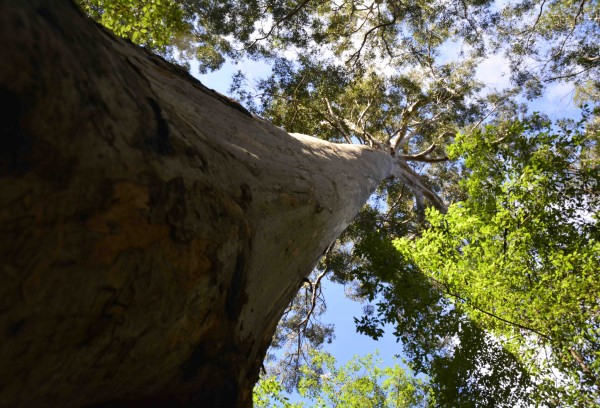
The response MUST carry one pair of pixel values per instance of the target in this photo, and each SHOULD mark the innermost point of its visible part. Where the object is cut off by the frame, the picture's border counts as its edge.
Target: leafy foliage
(520, 255)
(154, 24)
(179, 30)
(361, 382)
(465, 365)
(548, 40)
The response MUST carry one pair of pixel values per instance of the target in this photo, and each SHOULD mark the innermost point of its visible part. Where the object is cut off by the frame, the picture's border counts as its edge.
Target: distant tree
(361, 382)
(521, 254)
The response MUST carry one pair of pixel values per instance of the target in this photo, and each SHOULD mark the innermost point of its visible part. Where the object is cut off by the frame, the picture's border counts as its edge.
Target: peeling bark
(152, 231)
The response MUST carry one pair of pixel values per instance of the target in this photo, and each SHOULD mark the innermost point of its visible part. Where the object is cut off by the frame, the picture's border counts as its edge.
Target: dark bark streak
(159, 142)
(168, 202)
(15, 143)
(236, 295)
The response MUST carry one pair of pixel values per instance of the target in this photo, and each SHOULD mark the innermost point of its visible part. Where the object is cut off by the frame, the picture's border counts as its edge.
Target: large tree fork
(152, 232)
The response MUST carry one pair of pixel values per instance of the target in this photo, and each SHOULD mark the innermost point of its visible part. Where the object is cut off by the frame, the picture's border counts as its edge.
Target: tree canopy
(361, 382)
(483, 249)
(520, 255)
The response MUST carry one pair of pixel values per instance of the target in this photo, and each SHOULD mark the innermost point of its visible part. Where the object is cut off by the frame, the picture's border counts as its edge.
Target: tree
(152, 173)
(361, 382)
(145, 224)
(521, 254)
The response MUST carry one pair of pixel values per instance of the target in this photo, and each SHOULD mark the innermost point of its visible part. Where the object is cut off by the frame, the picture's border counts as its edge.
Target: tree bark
(152, 231)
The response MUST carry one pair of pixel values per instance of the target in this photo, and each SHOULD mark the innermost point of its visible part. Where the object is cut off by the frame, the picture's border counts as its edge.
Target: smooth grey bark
(152, 231)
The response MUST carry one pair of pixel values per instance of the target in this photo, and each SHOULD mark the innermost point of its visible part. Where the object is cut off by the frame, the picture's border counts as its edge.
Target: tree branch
(397, 141)
(421, 157)
(574, 354)
(316, 285)
(583, 365)
(415, 182)
(562, 45)
(294, 11)
(531, 30)
(356, 55)
(337, 122)
(490, 314)
(425, 159)
(353, 127)
(475, 126)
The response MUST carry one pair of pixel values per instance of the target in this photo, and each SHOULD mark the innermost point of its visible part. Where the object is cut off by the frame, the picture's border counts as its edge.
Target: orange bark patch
(289, 200)
(124, 223)
(193, 263)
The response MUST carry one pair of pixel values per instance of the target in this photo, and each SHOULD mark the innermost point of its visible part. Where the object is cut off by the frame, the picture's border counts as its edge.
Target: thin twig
(299, 7)
(531, 30)
(355, 56)
(316, 285)
(475, 126)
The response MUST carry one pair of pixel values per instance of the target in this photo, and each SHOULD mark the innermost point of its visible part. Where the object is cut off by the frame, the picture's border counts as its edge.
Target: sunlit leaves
(153, 23)
(180, 30)
(360, 383)
(463, 363)
(521, 254)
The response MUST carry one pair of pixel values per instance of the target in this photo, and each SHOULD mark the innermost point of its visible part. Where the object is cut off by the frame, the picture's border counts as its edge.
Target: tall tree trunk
(151, 230)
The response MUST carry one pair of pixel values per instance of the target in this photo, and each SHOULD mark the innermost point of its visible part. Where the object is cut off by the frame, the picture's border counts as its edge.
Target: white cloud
(494, 72)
